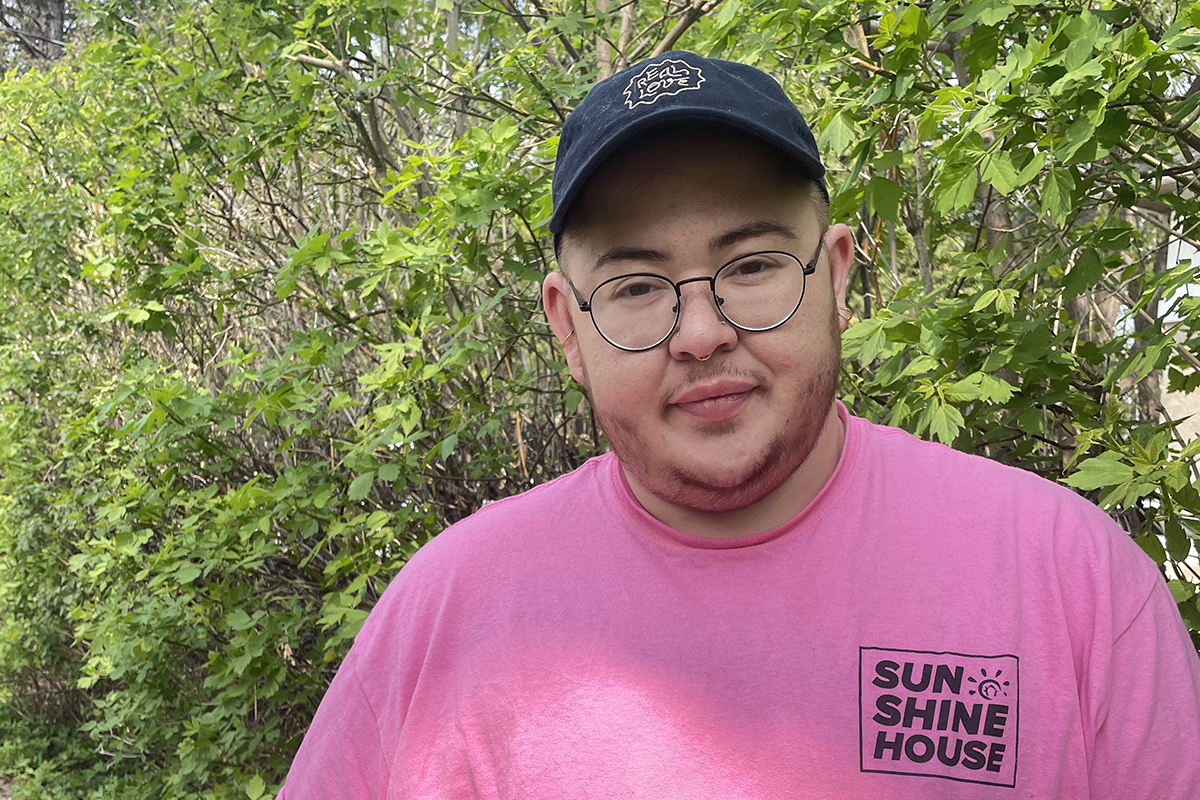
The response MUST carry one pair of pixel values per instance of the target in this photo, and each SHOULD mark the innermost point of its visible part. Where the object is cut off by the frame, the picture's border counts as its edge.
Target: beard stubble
(782, 456)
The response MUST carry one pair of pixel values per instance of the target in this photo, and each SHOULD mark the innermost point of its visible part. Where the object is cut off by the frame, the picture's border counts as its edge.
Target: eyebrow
(630, 254)
(725, 240)
(750, 231)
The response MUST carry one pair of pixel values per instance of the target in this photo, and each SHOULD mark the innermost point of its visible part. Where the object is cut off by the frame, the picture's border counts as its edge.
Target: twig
(695, 11)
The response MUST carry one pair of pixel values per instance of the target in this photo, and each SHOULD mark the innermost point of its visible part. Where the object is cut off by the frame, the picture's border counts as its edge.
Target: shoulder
(524, 520)
(1008, 528)
(973, 497)
(513, 535)
(456, 577)
(937, 471)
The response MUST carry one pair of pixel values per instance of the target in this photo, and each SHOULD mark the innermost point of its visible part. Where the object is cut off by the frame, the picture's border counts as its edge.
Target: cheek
(621, 384)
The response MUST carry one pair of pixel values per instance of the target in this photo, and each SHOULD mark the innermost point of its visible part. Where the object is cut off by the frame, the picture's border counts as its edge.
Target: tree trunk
(38, 26)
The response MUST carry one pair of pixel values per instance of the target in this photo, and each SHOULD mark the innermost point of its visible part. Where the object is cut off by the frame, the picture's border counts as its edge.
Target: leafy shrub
(269, 316)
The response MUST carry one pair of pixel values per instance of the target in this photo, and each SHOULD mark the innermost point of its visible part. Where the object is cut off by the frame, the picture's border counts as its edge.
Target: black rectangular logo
(939, 714)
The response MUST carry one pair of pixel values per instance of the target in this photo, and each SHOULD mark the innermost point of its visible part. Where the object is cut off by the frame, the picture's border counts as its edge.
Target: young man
(755, 595)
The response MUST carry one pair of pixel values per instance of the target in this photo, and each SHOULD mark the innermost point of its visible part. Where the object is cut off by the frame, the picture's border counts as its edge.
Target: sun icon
(989, 688)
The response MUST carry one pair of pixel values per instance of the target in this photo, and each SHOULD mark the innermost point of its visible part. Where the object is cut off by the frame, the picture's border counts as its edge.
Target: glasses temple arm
(584, 305)
(811, 266)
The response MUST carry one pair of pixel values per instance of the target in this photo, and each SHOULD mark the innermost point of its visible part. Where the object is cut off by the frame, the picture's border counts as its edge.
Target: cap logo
(661, 79)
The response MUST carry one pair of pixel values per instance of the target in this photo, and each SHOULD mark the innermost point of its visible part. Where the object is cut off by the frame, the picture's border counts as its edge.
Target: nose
(701, 330)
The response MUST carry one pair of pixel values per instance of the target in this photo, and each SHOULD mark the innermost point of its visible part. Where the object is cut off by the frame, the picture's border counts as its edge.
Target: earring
(844, 314)
(563, 343)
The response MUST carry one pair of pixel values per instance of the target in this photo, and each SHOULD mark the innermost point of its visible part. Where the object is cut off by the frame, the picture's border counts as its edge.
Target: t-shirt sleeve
(1147, 742)
(350, 747)
(341, 755)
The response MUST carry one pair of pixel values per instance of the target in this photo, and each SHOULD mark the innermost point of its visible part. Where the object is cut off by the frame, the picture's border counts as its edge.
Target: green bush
(269, 316)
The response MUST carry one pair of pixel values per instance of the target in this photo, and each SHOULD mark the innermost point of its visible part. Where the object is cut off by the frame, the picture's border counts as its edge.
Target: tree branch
(695, 11)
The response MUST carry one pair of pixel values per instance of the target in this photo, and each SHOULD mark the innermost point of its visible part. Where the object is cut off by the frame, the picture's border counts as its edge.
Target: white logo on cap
(662, 79)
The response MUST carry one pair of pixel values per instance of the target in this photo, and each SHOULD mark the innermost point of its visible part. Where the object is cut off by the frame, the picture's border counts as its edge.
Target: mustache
(698, 372)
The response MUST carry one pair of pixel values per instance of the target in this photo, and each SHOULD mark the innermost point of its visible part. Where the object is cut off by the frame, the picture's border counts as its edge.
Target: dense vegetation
(269, 312)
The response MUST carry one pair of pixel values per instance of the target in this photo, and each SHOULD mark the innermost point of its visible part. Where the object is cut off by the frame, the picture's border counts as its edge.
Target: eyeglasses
(755, 292)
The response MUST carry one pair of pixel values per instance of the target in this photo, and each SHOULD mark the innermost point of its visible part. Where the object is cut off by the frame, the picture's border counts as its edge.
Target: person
(754, 594)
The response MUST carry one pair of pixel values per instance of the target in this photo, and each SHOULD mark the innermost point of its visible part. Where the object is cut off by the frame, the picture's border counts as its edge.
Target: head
(714, 418)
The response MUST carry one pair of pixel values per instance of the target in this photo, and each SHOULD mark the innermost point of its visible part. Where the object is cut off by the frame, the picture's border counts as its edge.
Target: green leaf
(921, 365)
(1179, 546)
(945, 421)
(872, 345)
(965, 390)
(985, 300)
(728, 12)
(887, 159)
(955, 189)
(914, 24)
(354, 619)
(188, 572)
(1079, 133)
(1087, 270)
(256, 788)
(504, 129)
(989, 12)
(1182, 591)
(999, 171)
(238, 620)
(1057, 196)
(1098, 472)
(839, 133)
(995, 390)
(1152, 547)
(1030, 171)
(883, 197)
(361, 486)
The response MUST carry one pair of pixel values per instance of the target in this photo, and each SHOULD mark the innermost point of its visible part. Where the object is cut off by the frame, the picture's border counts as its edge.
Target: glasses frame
(809, 268)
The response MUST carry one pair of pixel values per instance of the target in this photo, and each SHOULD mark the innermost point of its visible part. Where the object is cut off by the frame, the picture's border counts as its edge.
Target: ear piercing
(563, 343)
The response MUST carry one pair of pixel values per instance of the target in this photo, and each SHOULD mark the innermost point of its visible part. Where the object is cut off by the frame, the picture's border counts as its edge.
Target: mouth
(714, 401)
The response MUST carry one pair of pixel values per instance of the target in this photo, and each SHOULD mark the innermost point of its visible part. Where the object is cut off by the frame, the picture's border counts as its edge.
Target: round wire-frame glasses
(756, 283)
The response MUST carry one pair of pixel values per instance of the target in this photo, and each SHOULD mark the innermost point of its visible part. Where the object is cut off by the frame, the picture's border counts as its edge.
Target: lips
(714, 401)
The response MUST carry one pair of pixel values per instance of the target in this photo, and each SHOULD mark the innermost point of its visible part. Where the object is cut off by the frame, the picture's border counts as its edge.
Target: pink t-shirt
(933, 625)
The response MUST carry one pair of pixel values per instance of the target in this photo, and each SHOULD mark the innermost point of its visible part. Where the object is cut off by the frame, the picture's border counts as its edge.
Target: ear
(839, 243)
(558, 301)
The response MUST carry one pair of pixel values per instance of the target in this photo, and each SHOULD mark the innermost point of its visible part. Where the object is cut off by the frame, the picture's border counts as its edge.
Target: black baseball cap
(672, 88)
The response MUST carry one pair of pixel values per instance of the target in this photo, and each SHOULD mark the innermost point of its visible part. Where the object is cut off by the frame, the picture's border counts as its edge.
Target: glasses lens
(760, 291)
(634, 311)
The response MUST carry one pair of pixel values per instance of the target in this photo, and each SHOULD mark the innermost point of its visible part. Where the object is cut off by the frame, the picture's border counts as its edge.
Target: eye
(757, 266)
(636, 287)
(750, 267)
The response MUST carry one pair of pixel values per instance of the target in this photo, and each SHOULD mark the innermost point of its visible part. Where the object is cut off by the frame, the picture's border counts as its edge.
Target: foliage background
(269, 311)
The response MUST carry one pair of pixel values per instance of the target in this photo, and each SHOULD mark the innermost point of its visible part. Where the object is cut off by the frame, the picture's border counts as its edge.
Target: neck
(781, 505)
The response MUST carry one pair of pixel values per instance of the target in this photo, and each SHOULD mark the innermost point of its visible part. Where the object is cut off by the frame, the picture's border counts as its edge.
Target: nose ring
(706, 358)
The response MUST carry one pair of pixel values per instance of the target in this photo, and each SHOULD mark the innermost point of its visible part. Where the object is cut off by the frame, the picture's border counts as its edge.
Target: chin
(723, 489)
(713, 492)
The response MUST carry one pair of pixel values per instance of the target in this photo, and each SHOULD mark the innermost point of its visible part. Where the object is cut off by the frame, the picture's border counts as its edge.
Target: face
(714, 419)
